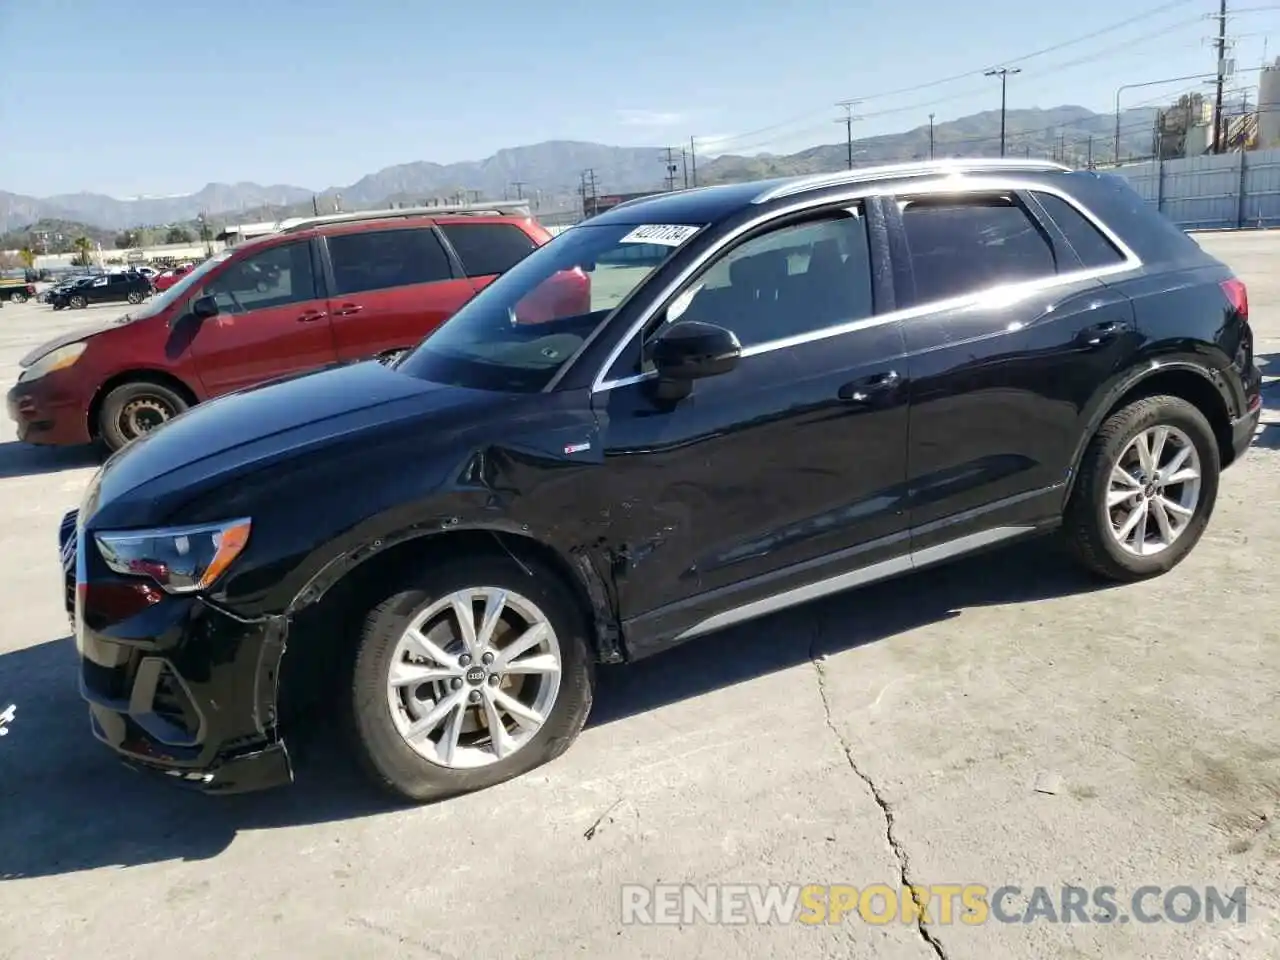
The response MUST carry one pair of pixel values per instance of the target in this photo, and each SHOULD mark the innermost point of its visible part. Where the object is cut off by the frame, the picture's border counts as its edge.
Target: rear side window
(959, 247)
(1089, 243)
(488, 248)
(381, 259)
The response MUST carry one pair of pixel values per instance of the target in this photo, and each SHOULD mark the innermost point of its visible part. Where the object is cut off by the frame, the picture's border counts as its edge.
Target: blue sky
(162, 97)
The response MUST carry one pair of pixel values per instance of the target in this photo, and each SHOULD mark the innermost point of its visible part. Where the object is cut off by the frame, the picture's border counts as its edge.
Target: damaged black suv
(781, 390)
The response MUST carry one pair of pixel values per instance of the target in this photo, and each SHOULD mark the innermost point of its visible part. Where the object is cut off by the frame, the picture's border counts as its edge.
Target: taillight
(1238, 296)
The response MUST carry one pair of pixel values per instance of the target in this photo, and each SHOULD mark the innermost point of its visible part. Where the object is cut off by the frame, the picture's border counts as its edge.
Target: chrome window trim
(954, 183)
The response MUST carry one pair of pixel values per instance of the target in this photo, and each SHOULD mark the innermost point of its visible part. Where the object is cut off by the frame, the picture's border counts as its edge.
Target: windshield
(179, 290)
(521, 329)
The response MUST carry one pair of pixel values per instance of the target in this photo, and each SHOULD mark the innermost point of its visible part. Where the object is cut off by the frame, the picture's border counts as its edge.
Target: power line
(672, 167)
(1083, 38)
(847, 120)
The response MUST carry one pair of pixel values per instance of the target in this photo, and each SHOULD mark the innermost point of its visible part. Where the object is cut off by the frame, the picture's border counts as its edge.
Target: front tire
(18, 298)
(135, 298)
(1147, 488)
(134, 409)
(79, 302)
(469, 647)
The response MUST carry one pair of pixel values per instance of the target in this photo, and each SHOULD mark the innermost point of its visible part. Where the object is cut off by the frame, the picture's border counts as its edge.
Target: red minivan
(318, 292)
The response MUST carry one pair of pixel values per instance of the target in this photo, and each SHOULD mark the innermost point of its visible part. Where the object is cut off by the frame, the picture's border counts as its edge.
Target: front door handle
(311, 316)
(867, 388)
(1103, 333)
(347, 309)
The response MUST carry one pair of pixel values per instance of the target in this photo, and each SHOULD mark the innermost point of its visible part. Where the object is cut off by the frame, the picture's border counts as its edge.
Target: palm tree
(83, 245)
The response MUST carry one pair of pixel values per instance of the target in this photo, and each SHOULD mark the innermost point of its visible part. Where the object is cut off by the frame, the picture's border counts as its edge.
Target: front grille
(67, 552)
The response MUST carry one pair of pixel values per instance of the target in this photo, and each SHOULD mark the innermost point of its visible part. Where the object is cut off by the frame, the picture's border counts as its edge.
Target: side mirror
(202, 308)
(691, 350)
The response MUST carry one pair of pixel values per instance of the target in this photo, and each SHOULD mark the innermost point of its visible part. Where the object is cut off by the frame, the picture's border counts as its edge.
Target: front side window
(791, 281)
(962, 246)
(382, 259)
(517, 333)
(277, 276)
(487, 249)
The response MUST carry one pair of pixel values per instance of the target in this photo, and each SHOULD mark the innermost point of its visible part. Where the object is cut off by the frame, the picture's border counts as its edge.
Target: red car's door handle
(311, 316)
(347, 309)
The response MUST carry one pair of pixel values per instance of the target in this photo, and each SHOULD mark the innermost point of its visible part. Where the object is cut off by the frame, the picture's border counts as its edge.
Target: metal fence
(1226, 191)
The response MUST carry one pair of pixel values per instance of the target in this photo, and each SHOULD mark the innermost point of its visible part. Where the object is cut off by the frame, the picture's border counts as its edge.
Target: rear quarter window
(486, 249)
(1089, 243)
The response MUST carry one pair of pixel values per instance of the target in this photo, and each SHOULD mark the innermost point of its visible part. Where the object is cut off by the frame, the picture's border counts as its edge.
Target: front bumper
(183, 687)
(47, 414)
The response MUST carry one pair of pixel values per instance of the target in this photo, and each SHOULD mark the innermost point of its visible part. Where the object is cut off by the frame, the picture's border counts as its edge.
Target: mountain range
(551, 171)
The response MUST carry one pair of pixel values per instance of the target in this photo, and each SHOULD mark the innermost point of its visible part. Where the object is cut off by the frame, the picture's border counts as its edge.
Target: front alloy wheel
(476, 674)
(474, 677)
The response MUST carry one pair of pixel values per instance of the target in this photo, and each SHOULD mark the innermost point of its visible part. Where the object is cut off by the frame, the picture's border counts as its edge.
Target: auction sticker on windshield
(667, 234)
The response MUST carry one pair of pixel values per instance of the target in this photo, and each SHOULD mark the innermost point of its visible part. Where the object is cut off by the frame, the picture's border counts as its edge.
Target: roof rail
(891, 171)
(498, 208)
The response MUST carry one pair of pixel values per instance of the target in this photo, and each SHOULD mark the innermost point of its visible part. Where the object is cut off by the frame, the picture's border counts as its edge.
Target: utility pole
(684, 161)
(693, 161)
(670, 162)
(519, 185)
(1003, 73)
(931, 136)
(1221, 44)
(315, 205)
(847, 120)
(1088, 163)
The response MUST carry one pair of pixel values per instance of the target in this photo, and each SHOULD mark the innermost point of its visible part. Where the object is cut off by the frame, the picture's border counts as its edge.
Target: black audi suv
(782, 390)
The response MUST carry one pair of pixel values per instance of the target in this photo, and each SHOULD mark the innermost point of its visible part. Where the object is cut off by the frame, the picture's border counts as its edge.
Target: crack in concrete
(886, 809)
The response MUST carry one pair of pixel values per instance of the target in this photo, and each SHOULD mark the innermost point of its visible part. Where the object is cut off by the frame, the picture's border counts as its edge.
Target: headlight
(58, 359)
(179, 559)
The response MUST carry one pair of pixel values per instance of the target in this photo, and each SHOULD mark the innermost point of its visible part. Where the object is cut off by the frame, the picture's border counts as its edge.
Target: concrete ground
(996, 722)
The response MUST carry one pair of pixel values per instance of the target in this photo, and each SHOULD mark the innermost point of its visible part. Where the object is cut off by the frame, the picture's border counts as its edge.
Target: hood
(241, 431)
(75, 336)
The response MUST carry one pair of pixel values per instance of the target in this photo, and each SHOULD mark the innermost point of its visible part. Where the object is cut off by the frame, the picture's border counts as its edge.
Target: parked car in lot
(816, 384)
(62, 286)
(17, 289)
(107, 288)
(323, 291)
(167, 278)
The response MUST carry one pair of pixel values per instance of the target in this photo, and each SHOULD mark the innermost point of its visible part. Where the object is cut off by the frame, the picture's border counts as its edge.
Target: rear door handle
(864, 390)
(1103, 333)
(311, 316)
(347, 309)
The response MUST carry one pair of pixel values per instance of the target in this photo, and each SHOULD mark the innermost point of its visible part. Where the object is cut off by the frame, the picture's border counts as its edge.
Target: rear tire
(133, 409)
(385, 706)
(18, 298)
(1131, 517)
(135, 298)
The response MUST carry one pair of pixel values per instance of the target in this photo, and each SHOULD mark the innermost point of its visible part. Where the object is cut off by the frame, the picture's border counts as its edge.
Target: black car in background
(799, 387)
(106, 288)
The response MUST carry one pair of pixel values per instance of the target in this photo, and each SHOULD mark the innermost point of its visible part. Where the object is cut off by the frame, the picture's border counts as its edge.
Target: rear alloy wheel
(79, 302)
(135, 297)
(476, 675)
(134, 409)
(1147, 488)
